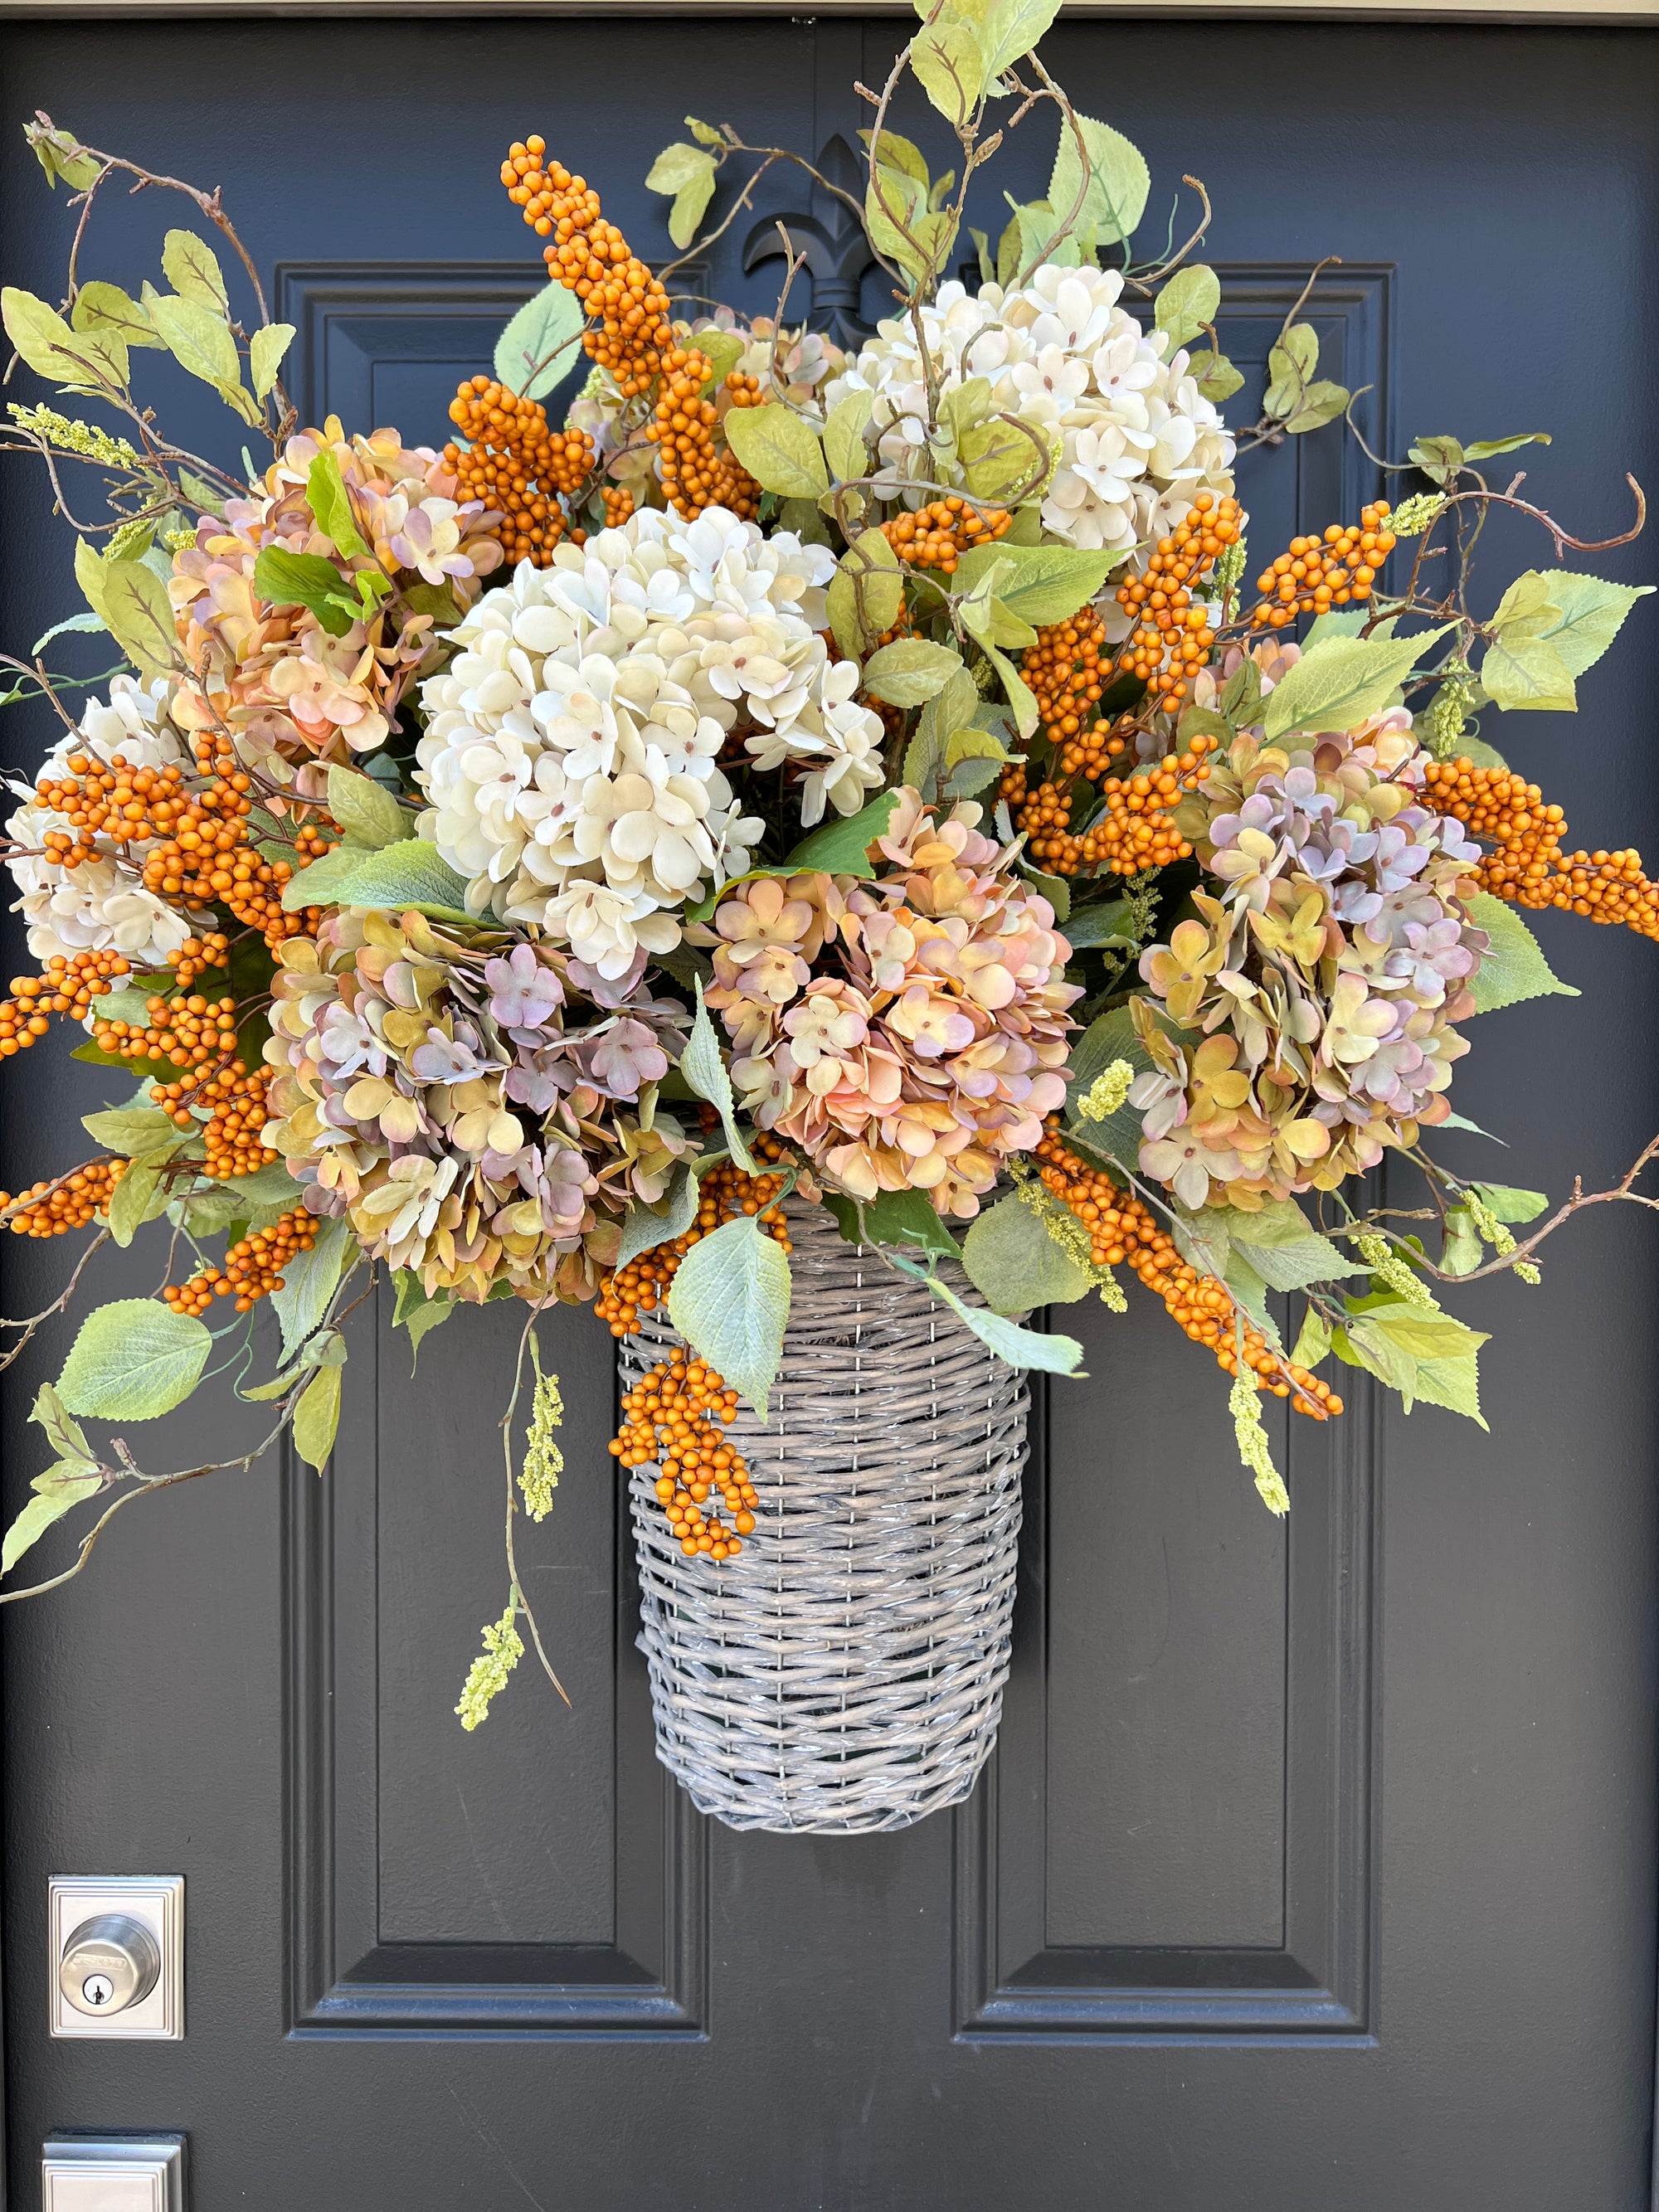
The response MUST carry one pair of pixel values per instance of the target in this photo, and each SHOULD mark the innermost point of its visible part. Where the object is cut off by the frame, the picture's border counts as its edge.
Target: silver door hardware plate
(116, 1943)
(112, 2173)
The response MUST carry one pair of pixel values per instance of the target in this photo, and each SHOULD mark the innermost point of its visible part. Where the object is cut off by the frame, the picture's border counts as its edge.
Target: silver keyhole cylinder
(109, 1963)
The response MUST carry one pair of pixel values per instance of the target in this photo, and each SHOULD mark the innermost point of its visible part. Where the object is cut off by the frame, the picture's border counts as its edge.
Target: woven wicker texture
(844, 1673)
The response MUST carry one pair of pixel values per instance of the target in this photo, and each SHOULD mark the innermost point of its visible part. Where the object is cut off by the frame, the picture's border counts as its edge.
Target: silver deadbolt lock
(109, 1963)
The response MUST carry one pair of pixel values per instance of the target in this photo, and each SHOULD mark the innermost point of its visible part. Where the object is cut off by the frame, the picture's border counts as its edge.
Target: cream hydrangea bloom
(102, 905)
(1136, 437)
(571, 753)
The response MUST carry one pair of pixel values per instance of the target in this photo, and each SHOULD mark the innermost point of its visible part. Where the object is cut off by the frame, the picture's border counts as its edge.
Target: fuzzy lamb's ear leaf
(309, 1282)
(645, 1227)
(411, 873)
(730, 1301)
(704, 1068)
(1019, 1347)
(538, 347)
(1015, 1264)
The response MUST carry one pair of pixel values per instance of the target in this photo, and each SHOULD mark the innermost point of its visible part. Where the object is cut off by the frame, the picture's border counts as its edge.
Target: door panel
(1316, 1867)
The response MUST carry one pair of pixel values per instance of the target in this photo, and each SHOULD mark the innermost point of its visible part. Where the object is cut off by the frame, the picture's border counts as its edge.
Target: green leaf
(843, 435)
(1292, 1266)
(703, 1066)
(309, 1282)
(50, 1414)
(1279, 1222)
(949, 63)
(136, 1199)
(303, 580)
(136, 1132)
(1018, 1347)
(1552, 626)
(1214, 374)
(691, 204)
(1249, 1288)
(317, 1417)
(538, 346)
(1187, 303)
(99, 307)
(1461, 1251)
(366, 811)
(56, 1491)
(1439, 458)
(1108, 923)
(704, 133)
(677, 166)
(265, 352)
(1319, 403)
(330, 506)
(1042, 583)
(1056, 890)
(1109, 1036)
(1425, 1335)
(411, 873)
(778, 450)
(868, 576)
(1119, 181)
(1011, 28)
(1515, 968)
(1313, 1339)
(60, 155)
(83, 361)
(135, 606)
(199, 339)
(841, 848)
(1486, 449)
(133, 1361)
(1339, 682)
(901, 1219)
(1015, 1264)
(1452, 1383)
(1292, 361)
(645, 1227)
(910, 672)
(730, 1299)
(1509, 1204)
(70, 625)
(190, 267)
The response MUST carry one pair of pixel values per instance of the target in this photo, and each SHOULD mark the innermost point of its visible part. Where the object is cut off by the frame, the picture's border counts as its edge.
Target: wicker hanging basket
(844, 1674)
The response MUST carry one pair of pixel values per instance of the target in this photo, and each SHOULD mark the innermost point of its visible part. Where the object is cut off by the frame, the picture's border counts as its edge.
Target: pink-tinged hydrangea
(483, 1110)
(1307, 1015)
(907, 1034)
(271, 675)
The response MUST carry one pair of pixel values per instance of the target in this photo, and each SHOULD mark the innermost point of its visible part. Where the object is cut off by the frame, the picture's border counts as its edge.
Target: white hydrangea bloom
(1137, 437)
(571, 754)
(102, 905)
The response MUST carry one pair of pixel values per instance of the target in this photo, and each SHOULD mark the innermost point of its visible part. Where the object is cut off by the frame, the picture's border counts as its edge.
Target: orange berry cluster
(1171, 638)
(253, 1269)
(71, 1205)
(197, 954)
(1527, 865)
(230, 1136)
(629, 333)
(62, 987)
(1317, 573)
(1122, 1231)
(724, 1193)
(695, 471)
(191, 1033)
(619, 505)
(1134, 828)
(670, 1418)
(517, 465)
(937, 536)
(120, 803)
(1065, 675)
(207, 860)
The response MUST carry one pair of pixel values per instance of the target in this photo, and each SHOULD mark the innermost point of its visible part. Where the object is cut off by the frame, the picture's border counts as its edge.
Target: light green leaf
(56, 1491)
(1187, 303)
(99, 307)
(1425, 1335)
(1439, 458)
(910, 672)
(1214, 374)
(703, 1066)
(1110, 922)
(1454, 1383)
(730, 1299)
(133, 1361)
(1321, 402)
(675, 167)
(309, 1282)
(265, 352)
(997, 460)
(1280, 1221)
(704, 133)
(1056, 890)
(317, 1417)
(83, 361)
(330, 506)
(1552, 626)
(538, 346)
(778, 450)
(1011, 28)
(136, 1199)
(645, 1227)
(901, 1219)
(1249, 1288)
(199, 339)
(1515, 968)
(411, 873)
(1292, 361)
(840, 848)
(1018, 1347)
(366, 811)
(1313, 1339)
(844, 436)
(1292, 1266)
(136, 1132)
(1461, 1250)
(1486, 449)
(304, 580)
(949, 63)
(1119, 181)
(50, 1414)
(1339, 682)
(691, 204)
(1042, 584)
(191, 266)
(61, 154)
(1509, 1204)
(134, 604)
(70, 625)
(1015, 1264)
(868, 581)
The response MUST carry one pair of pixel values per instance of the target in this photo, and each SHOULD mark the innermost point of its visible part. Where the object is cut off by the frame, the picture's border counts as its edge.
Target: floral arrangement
(879, 781)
